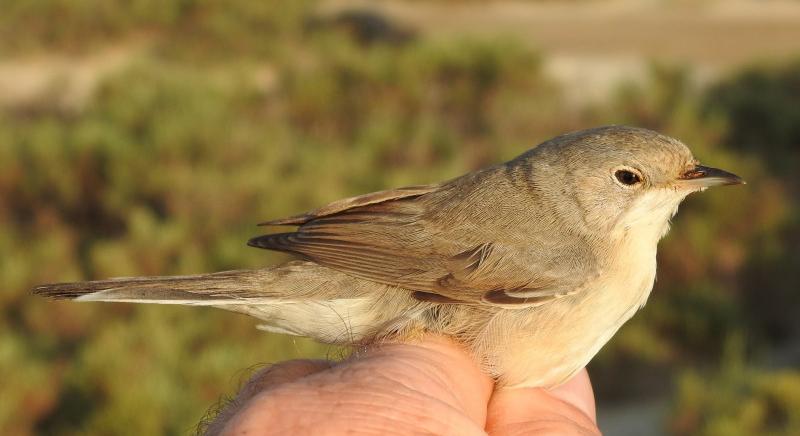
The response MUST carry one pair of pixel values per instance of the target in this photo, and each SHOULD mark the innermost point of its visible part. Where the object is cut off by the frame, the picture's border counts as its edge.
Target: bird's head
(616, 178)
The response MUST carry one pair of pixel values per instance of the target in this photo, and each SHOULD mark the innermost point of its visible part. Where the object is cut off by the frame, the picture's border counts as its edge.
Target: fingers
(428, 386)
(264, 379)
(279, 373)
(568, 409)
(578, 392)
(439, 368)
(431, 386)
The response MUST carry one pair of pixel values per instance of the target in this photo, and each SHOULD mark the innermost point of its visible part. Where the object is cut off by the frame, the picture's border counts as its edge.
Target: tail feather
(292, 281)
(299, 298)
(227, 287)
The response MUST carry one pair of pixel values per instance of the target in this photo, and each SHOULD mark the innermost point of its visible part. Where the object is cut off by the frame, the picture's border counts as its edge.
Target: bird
(532, 265)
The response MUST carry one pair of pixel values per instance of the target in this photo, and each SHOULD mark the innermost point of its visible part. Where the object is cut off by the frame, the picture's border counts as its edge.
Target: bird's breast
(561, 337)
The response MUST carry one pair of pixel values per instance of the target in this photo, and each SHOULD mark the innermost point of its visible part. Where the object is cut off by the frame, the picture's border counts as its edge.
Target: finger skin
(578, 392)
(566, 410)
(429, 387)
(266, 378)
(280, 373)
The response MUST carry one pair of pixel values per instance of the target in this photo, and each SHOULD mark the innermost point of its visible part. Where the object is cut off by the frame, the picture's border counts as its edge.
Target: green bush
(737, 400)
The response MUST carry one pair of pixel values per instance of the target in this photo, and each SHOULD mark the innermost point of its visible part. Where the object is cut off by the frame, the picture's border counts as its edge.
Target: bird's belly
(554, 341)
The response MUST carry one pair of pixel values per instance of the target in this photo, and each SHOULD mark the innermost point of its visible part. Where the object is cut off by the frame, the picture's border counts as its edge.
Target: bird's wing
(388, 237)
(353, 202)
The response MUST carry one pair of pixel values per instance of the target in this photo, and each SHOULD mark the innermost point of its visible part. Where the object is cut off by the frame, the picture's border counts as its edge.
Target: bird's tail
(227, 287)
(299, 298)
(279, 283)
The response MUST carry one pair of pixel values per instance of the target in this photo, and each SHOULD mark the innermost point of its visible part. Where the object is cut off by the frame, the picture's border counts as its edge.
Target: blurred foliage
(187, 29)
(238, 111)
(738, 400)
(760, 105)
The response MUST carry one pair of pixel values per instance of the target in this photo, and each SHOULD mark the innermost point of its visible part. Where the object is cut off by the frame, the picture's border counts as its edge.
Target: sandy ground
(589, 46)
(69, 81)
(713, 33)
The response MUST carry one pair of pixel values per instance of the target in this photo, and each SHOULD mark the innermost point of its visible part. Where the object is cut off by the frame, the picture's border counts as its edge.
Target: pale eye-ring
(627, 177)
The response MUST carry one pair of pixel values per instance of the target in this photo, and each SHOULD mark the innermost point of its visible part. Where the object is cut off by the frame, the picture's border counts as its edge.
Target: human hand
(427, 387)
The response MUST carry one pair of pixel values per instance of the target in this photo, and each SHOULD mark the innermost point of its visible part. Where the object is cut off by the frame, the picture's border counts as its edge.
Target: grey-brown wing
(385, 242)
(352, 202)
(393, 241)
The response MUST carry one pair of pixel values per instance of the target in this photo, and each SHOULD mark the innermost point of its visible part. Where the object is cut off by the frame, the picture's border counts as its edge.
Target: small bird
(532, 265)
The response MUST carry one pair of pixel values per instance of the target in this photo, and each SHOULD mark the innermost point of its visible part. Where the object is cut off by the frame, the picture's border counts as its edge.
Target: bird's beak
(701, 177)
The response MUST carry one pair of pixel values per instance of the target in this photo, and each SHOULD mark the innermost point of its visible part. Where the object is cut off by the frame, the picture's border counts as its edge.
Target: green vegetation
(235, 112)
(738, 400)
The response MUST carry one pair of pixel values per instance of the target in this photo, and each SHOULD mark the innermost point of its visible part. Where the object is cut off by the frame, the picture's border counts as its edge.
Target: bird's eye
(627, 177)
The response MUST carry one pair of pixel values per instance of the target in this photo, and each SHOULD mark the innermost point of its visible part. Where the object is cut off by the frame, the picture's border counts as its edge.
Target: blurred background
(148, 137)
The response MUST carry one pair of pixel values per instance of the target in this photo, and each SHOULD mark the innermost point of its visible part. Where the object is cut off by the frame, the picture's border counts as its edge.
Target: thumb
(567, 409)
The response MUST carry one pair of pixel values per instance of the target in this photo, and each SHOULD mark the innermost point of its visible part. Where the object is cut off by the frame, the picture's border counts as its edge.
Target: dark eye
(627, 177)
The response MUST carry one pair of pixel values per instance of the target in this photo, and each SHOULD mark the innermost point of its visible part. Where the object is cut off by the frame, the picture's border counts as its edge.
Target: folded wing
(389, 237)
